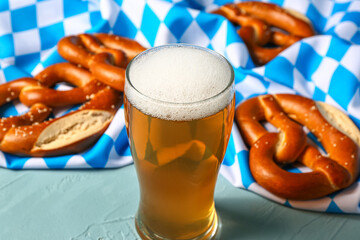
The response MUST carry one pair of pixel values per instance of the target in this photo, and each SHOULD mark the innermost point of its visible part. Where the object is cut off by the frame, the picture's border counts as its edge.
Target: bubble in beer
(179, 82)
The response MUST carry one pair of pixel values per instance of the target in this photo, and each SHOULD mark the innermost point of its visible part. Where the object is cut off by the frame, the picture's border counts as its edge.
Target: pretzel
(268, 151)
(258, 23)
(71, 133)
(29, 135)
(84, 48)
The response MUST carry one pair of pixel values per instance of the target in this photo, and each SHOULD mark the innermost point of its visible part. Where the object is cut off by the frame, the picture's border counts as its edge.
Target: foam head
(179, 82)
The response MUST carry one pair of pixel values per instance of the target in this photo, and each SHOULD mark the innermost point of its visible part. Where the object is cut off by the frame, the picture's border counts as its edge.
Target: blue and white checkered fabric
(324, 67)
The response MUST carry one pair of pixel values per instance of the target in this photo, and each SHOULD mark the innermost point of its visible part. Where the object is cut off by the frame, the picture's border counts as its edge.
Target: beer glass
(179, 109)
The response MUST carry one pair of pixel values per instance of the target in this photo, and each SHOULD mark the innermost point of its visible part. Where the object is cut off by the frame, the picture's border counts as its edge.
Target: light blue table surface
(100, 205)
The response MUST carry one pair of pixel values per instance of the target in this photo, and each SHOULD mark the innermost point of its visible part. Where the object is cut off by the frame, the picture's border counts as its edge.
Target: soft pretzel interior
(72, 128)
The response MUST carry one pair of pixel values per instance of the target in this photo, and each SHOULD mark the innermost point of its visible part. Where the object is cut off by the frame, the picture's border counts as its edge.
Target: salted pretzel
(115, 53)
(269, 150)
(29, 135)
(71, 133)
(264, 24)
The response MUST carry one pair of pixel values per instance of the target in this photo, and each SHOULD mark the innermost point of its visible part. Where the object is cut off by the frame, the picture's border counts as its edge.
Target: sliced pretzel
(72, 133)
(83, 50)
(336, 171)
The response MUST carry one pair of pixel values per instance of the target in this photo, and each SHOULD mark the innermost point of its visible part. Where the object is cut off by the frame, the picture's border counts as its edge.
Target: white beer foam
(179, 82)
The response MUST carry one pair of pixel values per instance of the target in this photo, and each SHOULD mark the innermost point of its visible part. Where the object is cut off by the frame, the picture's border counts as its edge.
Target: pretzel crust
(329, 173)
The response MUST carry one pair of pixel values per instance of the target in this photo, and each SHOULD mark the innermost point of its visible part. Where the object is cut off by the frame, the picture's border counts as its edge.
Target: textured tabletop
(100, 205)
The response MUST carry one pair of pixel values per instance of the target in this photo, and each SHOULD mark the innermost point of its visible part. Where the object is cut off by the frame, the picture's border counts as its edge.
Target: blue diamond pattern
(124, 27)
(74, 7)
(178, 20)
(319, 95)
(286, 77)
(4, 5)
(51, 35)
(150, 25)
(209, 23)
(23, 19)
(337, 49)
(6, 46)
(27, 62)
(308, 61)
(343, 86)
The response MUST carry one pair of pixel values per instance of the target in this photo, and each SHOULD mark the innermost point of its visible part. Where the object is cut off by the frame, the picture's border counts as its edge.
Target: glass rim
(157, 48)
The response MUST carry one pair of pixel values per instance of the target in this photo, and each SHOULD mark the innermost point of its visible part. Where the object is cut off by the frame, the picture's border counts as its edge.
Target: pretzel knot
(263, 26)
(269, 150)
(29, 134)
(105, 56)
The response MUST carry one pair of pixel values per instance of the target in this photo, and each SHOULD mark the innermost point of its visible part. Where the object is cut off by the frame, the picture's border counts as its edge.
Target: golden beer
(177, 163)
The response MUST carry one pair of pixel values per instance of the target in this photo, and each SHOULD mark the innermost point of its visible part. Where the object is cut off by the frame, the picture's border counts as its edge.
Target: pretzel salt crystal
(337, 171)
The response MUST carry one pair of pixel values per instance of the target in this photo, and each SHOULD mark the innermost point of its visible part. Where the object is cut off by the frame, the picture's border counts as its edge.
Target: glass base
(211, 234)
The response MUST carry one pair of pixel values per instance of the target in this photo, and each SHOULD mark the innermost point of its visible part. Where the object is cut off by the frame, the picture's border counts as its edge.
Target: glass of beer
(179, 109)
